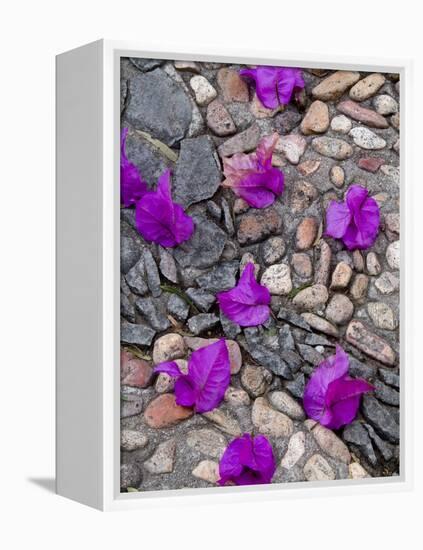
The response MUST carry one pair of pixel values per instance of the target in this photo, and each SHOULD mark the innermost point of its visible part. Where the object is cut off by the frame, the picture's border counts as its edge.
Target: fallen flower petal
(355, 221)
(247, 304)
(274, 85)
(252, 177)
(247, 461)
(161, 220)
(331, 397)
(207, 380)
(132, 187)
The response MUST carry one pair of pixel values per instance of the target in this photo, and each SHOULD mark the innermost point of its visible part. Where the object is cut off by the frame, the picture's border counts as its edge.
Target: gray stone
(312, 297)
(296, 386)
(389, 377)
(382, 315)
(293, 318)
(130, 476)
(255, 379)
(373, 264)
(332, 147)
(167, 265)
(162, 461)
(177, 307)
(356, 434)
(384, 448)
(159, 106)
(241, 143)
(144, 64)
(380, 417)
(317, 468)
(341, 124)
(264, 356)
(227, 218)
(130, 440)
(236, 397)
(273, 250)
(221, 277)
(151, 310)
(207, 442)
(385, 104)
(136, 278)
(287, 121)
(366, 139)
(393, 255)
(202, 299)
(130, 401)
(223, 421)
(284, 403)
(230, 329)
(257, 224)
(205, 246)
(197, 174)
(362, 338)
(310, 354)
(138, 334)
(214, 210)
(285, 339)
(129, 253)
(322, 325)
(202, 322)
(340, 309)
(387, 395)
(152, 273)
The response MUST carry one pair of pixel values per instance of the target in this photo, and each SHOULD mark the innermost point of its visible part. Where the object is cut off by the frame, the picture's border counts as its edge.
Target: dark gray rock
(127, 309)
(317, 340)
(167, 265)
(286, 340)
(230, 329)
(146, 64)
(136, 278)
(202, 299)
(197, 174)
(388, 395)
(222, 277)
(129, 253)
(152, 273)
(293, 318)
(159, 106)
(380, 417)
(357, 435)
(130, 475)
(130, 401)
(202, 322)
(384, 448)
(389, 377)
(151, 310)
(287, 121)
(149, 160)
(214, 210)
(273, 250)
(227, 218)
(138, 334)
(296, 386)
(204, 248)
(177, 307)
(310, 354)
(293, 360)
(360, 370)
(265, 356)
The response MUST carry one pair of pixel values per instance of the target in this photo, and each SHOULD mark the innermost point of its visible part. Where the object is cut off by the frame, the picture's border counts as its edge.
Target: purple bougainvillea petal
(185, 391)
(247, 304)
(161, 220)
(356, 220)
(132, 187)
(274, 85)
(247, 461)
(209, 373)
(168, 367)
(252, 177)
(338, 218)
(331, 397)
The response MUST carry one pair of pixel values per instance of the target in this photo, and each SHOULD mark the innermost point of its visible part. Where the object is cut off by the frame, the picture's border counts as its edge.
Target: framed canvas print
(231, 318)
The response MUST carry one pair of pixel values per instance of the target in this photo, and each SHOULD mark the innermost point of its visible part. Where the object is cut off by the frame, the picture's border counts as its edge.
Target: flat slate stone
(145, 65)
(159, 106)
(141, 335)
(380, 418)
(197, 174)
(205, 246)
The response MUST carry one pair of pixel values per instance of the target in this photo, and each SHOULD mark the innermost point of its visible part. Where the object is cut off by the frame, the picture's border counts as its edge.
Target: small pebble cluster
(343, 130)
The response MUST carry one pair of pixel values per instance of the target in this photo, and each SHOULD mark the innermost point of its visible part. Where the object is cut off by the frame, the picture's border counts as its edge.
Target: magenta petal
(247, 304)
(209, 373)
(247, 461)
(159, 219)
(338, 217)
(132, 187)
(169, 367)
(185, 391)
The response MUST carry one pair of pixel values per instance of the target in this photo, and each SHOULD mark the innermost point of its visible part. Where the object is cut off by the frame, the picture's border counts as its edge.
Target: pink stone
(163, 412)
(366, 116)
(134, 371)
(371, 164)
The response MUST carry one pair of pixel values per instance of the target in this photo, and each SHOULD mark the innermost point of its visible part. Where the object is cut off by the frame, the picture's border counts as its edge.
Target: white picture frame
(88, 383)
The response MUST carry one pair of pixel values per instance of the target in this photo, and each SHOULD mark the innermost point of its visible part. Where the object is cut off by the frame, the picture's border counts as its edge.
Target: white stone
(132, 439)
(385, 104)
(207, 470)
(382, 315)
(366, 139)
(296, 449)
(341, 124)
(277, 278)
(203, 90)
(207, 442)
(317, 468)
(356, 471)
(292, 146)
(387, 283)
(393, 255)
